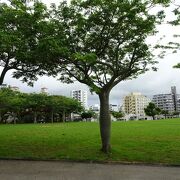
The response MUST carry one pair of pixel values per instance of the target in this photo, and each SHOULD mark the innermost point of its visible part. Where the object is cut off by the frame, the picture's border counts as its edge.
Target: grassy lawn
(135, 141)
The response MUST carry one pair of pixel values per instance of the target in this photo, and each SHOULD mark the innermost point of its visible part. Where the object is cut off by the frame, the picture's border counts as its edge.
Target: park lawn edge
(105, 162)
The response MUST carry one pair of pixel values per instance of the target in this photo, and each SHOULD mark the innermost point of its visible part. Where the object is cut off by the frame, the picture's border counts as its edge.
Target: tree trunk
(35, 117)
(52, 117)
(153, 117)
(63, 116)
(105, 122)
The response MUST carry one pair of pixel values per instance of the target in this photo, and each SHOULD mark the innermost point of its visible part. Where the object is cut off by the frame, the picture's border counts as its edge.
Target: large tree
(21, 28)
(101, 43)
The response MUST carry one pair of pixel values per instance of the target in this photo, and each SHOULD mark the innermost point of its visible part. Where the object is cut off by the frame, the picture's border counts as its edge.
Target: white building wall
(81, 96)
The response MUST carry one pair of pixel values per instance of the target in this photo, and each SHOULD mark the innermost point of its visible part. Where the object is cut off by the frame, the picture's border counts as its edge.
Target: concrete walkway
(49, 170)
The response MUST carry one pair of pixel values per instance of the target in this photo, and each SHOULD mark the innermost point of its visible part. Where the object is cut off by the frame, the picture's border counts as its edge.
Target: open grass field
(136, 141)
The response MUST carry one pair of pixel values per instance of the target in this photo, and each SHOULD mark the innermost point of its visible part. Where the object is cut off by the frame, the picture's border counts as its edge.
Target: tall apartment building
(81, 96)
(169, 102)
(135, 103)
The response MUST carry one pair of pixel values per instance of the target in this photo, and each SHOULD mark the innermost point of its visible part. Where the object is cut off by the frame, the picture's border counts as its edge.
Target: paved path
(49, 170)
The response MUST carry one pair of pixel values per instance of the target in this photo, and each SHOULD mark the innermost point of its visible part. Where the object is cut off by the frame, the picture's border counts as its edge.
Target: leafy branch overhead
(101, 43)
(21, 29)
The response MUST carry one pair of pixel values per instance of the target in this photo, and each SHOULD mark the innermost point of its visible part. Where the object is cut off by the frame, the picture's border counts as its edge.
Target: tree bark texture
(105, 122)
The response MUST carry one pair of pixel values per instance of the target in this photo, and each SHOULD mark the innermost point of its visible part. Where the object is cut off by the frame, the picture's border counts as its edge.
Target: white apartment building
(134, 104)
(169, 102)
(81, 96)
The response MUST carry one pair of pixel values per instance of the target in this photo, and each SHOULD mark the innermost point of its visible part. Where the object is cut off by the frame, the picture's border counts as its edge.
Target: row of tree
(34, 107)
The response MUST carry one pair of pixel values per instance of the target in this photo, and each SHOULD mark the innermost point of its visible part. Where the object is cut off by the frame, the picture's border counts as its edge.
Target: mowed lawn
(136, 141)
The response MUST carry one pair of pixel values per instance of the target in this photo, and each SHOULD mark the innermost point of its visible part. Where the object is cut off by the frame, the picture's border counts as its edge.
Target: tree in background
(17, 105)
(87, 115)
(117, 115)
(64, 106)
(38, 106)
(152, 110)
(165, 113)
(101, 43)
(5, 95)
(37, 103)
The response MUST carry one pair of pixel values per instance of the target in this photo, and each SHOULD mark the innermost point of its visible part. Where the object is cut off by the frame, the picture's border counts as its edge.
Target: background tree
(17, 104)
(152, 110)
(87, 115)
(101, 43)
(165, 113)
(21, 28)
(36, 103)
(175, 113)
(5, 95)
(117, 115)
(63, 106)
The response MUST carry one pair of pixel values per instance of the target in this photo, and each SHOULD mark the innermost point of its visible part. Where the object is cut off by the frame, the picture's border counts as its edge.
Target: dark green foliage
(152, 110)
(36, 107)
(165, 113)
(117, 115)
(21, 28)
(87, 115)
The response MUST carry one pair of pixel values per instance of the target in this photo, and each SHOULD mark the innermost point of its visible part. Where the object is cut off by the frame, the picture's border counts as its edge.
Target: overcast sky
(148, 84)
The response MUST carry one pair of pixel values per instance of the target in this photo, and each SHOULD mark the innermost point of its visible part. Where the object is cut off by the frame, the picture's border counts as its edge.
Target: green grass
(135, 141)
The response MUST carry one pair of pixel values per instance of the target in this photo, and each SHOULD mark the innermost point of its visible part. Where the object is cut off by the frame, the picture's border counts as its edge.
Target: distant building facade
(81, 96)
(169, 102)
(95, 107)
(113, 107)
(134, 104)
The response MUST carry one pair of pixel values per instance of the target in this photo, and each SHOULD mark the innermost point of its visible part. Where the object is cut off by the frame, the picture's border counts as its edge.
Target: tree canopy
(152, 110)
(36, 105)
(21, 28)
